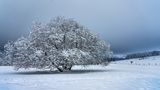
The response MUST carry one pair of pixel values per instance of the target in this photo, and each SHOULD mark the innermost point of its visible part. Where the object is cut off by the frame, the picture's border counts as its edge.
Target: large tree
(61, 44)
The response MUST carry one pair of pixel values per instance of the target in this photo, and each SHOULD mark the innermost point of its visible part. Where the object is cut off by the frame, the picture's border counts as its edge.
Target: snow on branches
(61, 43)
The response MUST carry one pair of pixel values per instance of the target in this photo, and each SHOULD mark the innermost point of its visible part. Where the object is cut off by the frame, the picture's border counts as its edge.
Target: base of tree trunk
(60, 69)
(64, 68)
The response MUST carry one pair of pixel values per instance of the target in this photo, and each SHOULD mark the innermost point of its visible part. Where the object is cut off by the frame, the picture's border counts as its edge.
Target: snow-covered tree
(16, 52)
(9, 52)
(1, 60)
(61, 43)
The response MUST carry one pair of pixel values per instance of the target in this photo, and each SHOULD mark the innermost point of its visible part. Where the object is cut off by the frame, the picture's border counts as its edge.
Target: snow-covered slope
(117, 76)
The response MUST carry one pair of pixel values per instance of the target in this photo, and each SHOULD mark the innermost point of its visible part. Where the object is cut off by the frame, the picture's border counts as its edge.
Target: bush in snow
(61, 44)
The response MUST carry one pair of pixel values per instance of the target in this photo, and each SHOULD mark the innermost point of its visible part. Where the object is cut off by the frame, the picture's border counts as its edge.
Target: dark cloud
(129, 25)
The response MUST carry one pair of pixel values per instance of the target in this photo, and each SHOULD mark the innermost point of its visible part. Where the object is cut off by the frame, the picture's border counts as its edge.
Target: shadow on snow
(56, 72)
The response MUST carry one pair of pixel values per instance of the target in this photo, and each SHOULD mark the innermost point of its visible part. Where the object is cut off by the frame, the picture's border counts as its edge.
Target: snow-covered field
(121, 75)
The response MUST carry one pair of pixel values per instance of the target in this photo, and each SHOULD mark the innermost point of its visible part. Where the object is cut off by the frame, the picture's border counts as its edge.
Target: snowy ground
(121, 75)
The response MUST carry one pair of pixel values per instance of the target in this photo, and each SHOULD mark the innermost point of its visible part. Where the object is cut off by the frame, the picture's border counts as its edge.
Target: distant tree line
(143, 55)
(117, 58)
(136, 55)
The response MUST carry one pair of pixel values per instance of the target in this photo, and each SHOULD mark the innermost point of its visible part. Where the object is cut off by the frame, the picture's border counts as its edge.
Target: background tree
(1, 60)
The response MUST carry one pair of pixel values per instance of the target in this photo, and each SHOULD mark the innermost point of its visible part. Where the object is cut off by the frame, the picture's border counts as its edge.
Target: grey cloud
(129, 25)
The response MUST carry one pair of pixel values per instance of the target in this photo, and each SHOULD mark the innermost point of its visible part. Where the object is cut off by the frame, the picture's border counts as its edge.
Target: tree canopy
(61, 44)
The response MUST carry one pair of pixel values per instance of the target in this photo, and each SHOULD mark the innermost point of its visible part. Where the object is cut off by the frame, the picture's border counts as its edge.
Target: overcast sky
(128, 25)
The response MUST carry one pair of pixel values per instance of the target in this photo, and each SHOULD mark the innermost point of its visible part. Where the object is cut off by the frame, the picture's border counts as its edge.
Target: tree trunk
(64, 68)
(69, 68)
(60, 69)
